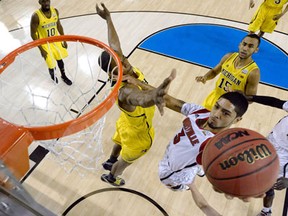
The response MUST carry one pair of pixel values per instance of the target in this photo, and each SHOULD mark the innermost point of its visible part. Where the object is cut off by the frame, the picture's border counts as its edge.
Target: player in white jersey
(182, 159)
(279, 138)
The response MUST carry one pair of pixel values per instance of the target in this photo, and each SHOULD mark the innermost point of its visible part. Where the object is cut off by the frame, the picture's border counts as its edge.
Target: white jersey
(181, 153)
(285, 106)
(279, 138)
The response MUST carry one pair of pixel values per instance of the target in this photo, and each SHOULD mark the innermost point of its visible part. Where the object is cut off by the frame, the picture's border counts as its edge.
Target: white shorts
(181, 177)
(283, 156)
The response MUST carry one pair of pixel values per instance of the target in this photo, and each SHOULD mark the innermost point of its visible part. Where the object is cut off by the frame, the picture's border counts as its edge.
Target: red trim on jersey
(199, 156)
(200, 111)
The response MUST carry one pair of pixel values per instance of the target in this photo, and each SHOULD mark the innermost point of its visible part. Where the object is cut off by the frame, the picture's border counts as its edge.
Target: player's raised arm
(212, 73)
(201, 202)
(113, 38)
(269, 101)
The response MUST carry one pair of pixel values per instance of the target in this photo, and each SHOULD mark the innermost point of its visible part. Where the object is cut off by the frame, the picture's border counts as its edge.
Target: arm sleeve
(270, 101)
(189, 108)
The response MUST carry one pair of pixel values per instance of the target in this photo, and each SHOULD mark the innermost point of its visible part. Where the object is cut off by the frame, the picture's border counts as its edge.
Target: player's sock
(107, 165)
(113, 159)
(267, 209)
(53, 76)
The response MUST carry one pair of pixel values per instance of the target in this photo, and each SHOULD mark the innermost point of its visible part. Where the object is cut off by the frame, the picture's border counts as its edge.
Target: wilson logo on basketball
(230, 137)
(249, 156)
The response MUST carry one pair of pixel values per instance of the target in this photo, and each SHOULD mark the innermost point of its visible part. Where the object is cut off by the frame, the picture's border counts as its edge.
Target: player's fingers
(247, 199)
(261, 195)
(161, 108)
(229, 197)
(217, 190)
(166, 83)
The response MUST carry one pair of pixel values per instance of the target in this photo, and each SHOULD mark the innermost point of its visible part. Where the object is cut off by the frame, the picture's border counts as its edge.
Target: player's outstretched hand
(281, 183)
(104, 13)
(162, 90)
(251, 4)
(201, 79)
(244, 199)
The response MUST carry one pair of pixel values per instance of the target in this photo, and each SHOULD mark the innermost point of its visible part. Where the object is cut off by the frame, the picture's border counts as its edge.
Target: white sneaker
(263, 213)
(200, 172)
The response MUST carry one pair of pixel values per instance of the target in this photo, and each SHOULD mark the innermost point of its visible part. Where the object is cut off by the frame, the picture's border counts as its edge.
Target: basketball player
(237, 71)
(182, 159)
(267, 16)
(134, 131)
(279, 138)
(45, 23)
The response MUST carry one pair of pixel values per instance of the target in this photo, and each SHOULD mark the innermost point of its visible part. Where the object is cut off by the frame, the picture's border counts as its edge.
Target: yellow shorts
(210, 100)
(135, 142)
(263, 19)
(55, 51)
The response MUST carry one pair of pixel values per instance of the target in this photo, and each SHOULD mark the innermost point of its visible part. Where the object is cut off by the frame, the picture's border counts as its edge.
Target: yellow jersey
(134, 130)
(229, 78)
(275, 3)
(140, 117)
(47, 26)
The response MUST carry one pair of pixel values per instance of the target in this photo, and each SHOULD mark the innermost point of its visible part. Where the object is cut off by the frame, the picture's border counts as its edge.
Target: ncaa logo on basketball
(232, 136)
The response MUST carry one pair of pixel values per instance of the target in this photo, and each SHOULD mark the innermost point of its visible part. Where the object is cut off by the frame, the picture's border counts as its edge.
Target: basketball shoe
(263, 213)
(107, 165)
(200, 172)
(113, 181)
(66, 79)
(53, 76)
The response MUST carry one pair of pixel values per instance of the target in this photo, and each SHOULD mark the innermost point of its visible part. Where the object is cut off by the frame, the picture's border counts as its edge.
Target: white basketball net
(29, 97)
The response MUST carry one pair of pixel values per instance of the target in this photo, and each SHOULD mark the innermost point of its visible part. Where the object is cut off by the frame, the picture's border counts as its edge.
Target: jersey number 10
(51, 32)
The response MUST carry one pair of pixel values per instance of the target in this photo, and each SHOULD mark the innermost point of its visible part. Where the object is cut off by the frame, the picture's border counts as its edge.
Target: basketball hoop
(67, 120)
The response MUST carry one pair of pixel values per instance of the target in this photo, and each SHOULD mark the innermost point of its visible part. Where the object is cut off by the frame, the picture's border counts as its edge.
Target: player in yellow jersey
(237, 71)
(45, 23)
(267, 16)
(134, 131)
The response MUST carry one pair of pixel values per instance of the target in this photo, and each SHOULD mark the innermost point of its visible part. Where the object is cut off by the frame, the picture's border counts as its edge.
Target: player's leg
(267, 203)
(128, 156)
(52, 74)
(269, 24)
(261, 33)
(62, 70)
(107, 165)
(51, 63)
(117, 169)
(257, 20)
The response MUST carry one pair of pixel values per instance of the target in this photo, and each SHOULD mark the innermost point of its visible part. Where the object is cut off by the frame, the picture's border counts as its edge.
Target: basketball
(240, 162)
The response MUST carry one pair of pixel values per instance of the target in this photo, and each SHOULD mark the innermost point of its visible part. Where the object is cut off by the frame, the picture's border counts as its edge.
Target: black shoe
(53, 77)
(115, 182)
(107, 165)
(66, 80)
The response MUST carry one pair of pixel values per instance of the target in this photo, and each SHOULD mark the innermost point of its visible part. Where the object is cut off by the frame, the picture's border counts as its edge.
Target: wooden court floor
(57, 190)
